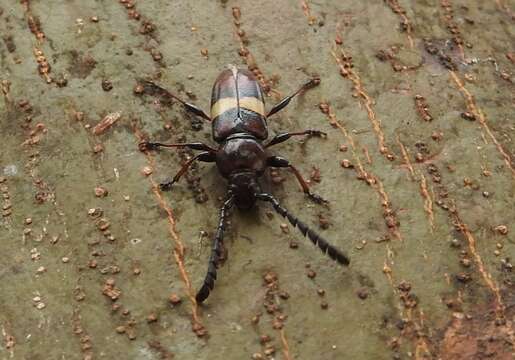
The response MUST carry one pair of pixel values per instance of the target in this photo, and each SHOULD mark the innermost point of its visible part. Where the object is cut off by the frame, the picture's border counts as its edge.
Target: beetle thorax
(241, 153)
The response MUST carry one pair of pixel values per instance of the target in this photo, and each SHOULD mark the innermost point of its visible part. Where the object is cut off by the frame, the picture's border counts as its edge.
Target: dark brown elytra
(239, 127)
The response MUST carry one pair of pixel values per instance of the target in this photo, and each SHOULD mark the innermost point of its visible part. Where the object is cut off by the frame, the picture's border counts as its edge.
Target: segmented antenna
(316, 239)
(209, 280)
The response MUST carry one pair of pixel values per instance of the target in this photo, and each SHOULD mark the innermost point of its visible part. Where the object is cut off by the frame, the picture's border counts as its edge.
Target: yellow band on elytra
(250, 103)
(222, 106)
(253, 104)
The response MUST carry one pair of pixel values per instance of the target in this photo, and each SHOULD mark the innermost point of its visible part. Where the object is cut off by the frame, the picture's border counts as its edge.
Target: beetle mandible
(239, 126)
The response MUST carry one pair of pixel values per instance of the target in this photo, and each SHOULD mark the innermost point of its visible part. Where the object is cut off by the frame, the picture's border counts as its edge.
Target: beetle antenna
(316, 239)
(209, 280)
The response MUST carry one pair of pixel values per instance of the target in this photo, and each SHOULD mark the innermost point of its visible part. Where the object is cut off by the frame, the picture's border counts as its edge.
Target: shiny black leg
(154, 88)
(282, 137)
(277, 161)
(282, 104)
(146, 145)
(203, 156)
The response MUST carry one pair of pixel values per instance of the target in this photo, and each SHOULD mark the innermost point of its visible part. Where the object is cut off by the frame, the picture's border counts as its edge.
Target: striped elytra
(237, 105)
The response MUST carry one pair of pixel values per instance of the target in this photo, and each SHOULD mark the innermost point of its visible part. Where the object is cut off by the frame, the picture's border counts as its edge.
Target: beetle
(239, 126)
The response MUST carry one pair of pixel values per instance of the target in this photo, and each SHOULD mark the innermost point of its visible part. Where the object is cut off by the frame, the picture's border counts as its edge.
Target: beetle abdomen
(237, 105)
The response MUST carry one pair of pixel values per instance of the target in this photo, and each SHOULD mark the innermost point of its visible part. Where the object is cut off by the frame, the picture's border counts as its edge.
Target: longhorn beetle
(239, 126)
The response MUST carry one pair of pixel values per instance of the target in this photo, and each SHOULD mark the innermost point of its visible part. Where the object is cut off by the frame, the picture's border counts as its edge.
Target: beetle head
(244, 187)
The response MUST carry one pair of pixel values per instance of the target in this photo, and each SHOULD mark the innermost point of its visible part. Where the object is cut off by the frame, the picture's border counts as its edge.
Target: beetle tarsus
(313, 82)
(317, 198)
(318, 133)
(147, 146)
(166, 186)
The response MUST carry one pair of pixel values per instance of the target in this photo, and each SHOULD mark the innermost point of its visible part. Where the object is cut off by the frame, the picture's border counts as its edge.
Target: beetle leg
(194, 109)
(203, 156)
(145, 145)
(216, 252)
(282, 104)
(277, 161)
(315, 238)
(165, 93)
(282, 137)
